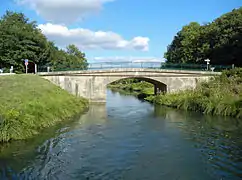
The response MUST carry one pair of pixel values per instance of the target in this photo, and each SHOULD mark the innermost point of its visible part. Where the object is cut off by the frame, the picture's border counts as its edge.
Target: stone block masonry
(93, 84)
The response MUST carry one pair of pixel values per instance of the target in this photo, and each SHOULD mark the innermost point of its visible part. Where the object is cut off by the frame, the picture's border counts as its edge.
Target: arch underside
(158, 86)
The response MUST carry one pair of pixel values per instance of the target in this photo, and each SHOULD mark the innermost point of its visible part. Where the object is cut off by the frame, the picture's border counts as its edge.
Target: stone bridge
(92, 84)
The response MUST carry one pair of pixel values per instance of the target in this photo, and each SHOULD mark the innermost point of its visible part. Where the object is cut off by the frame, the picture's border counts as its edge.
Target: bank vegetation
(28, 104)
(221, 95)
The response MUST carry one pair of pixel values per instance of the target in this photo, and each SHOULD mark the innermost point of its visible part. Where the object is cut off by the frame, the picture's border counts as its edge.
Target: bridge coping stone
(128, 70)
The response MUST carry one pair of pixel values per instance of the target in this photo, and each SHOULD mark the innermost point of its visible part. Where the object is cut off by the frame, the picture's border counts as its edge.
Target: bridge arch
(159, 87)
(93, 84)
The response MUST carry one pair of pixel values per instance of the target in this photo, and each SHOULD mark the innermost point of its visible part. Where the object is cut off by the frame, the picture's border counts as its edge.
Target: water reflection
(129, 139)
(218, 139)
(97, 114)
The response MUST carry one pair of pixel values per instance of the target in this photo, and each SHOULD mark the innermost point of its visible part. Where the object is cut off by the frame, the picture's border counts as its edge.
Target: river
(131, 140)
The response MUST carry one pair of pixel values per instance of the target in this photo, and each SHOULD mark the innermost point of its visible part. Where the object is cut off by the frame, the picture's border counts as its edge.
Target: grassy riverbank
(137, 88)
(221, 96)
(29, 104)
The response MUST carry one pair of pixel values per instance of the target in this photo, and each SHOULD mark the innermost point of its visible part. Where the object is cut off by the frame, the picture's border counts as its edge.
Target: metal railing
(146, 65)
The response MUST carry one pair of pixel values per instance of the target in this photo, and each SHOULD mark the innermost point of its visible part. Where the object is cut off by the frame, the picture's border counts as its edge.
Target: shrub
(220, 96)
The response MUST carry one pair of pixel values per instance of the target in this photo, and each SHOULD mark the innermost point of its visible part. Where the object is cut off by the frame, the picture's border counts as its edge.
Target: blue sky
(118, 29)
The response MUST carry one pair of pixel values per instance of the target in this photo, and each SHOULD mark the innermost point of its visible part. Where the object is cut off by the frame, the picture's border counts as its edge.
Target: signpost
(26, 62)
(207, 60)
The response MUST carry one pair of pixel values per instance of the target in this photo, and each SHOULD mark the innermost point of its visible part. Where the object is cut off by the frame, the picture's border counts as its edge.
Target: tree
(184, 46)
(77, 59)
(72, 58)
(220, 41)
(21, 39)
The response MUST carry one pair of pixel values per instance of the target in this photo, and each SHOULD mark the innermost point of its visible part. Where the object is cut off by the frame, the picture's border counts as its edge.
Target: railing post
(35, 68)
(11, 69)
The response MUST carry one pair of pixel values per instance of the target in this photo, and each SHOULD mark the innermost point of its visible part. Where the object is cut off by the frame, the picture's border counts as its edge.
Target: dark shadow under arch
(159, 87)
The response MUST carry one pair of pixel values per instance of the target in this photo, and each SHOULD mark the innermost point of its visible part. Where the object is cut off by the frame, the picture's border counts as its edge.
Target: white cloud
(129, 59)
(87, 39)
(64, 11)
(61, 12)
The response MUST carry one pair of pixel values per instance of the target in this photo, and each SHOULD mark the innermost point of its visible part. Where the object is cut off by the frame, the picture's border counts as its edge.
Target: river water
(129, 139)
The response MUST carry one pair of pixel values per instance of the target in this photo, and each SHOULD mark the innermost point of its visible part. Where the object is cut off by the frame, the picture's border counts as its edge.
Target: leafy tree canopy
(220, 41)
(21, 39)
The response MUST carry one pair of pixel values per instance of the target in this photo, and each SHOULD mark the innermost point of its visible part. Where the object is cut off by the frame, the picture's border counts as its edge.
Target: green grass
(221, 96)
(135, 88)
(29, 104)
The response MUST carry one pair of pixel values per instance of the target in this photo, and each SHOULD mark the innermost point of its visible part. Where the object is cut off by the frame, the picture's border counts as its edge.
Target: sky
(117, 30)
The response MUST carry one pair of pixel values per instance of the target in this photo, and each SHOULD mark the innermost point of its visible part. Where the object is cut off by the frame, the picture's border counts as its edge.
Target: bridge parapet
(131, 70)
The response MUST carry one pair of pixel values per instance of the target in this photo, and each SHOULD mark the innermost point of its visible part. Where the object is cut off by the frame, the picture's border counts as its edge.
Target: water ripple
(127, 139)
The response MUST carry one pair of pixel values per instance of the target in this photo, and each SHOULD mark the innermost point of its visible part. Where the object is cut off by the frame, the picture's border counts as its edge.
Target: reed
(221, 96)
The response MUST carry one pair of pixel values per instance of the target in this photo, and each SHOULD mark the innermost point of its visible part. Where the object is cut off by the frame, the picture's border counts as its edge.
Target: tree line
(21, 39)
(220, 41)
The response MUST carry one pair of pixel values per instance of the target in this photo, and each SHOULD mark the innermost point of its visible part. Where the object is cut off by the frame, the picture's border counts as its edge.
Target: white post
(26, 69)
(35, 68)
(11, 69)
(48, 69)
